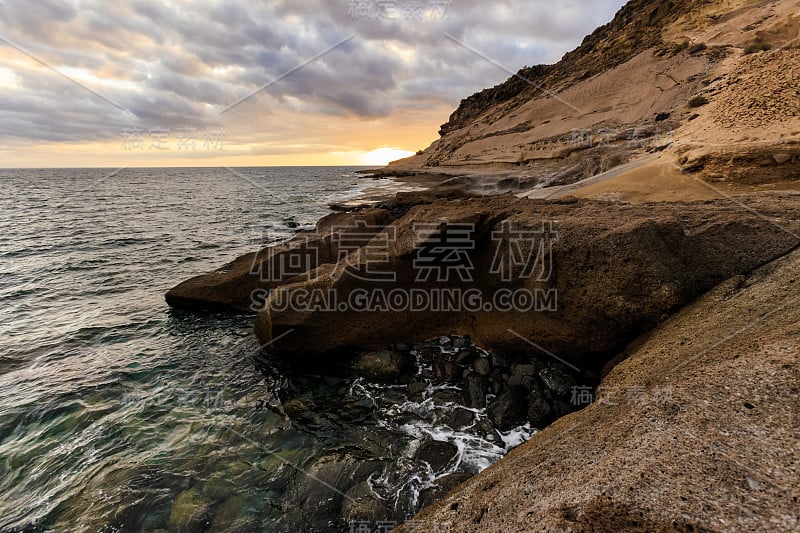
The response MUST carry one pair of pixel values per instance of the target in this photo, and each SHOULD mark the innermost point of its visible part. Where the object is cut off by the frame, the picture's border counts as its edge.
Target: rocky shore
(620, 273)
(614, 274)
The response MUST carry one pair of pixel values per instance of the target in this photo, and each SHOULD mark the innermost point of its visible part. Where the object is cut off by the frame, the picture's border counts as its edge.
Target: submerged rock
(190, 510)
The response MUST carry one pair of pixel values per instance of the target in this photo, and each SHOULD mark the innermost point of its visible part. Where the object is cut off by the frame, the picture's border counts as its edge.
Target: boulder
(361, 505)
(384, 366)
(482, 366)
(475, 391)
(509, 409)
(557, 380)
(447, 372)
(540, 412)
(460, 418)
(438, 454)
(519, 373)
(243, 284)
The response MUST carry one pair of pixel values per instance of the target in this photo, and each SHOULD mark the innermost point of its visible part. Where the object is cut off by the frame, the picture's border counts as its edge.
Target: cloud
(176, 63)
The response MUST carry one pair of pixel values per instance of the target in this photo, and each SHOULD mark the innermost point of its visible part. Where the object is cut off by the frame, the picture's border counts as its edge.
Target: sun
(384, 156)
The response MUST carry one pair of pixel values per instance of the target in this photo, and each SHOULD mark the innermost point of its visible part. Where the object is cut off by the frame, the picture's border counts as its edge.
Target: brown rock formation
(244, 282)
(618, 270)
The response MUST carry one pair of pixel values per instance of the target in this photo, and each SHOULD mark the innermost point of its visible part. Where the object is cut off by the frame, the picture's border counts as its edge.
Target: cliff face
(663, 77)
(636, 27)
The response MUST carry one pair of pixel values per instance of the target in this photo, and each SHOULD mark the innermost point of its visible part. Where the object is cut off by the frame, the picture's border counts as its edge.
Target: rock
(446, 396)
(499, 360)
(417, 386)
(356, 410)
(362, 505)
(189, 510)
(498, 382)
(441, 487)
(383, 366)
(475, 391)
(447, 372)
(460, 418)
(438, 454)
(519, 372)
(510, 409)
(561, 408)
(482, 366)
(464, 357)
(244, 282)
(297, 408)
(326, 482)
(427, 353)
(617, 269)
(782, 158)
(460, 343)
(231, 516)
(557, 380)
(539, 412)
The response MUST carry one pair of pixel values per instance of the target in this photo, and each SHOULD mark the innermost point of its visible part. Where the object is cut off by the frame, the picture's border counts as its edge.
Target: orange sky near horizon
(210, 84)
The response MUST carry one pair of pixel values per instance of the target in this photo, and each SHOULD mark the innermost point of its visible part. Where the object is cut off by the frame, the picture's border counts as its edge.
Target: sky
(138, 83)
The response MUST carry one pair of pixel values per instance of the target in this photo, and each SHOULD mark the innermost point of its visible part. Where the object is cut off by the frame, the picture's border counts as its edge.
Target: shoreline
(307, 334)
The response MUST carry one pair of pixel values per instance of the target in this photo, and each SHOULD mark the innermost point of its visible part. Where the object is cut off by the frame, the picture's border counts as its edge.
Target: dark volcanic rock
(384, 366)
(362, 505)
(447, 372)
(482, 366)
(557, 380)
(438, 454)
(539, 412)
(460, 418)
(475, 391)
(519, 373)
(510, 409)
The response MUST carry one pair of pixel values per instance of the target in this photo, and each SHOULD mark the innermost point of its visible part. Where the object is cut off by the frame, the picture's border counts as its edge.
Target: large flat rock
(617, 271)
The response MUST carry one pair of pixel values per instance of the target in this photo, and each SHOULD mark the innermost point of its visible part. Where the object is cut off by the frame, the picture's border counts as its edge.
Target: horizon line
(222, 167)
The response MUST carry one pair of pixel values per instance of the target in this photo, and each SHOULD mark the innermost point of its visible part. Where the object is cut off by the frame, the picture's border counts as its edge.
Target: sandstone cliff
(709, 87)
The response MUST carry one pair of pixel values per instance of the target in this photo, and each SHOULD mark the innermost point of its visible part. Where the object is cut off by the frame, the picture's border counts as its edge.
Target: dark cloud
(179, 63)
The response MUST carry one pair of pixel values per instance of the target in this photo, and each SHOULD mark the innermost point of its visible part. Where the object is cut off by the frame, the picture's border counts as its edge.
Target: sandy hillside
(713, 88)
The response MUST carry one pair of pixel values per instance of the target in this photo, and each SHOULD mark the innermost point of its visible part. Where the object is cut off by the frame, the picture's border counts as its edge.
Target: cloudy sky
(249, 82)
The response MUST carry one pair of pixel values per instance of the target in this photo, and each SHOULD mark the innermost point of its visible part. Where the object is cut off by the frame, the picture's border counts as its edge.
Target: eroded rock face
(243, 284)
(614, 271)
(708, 443)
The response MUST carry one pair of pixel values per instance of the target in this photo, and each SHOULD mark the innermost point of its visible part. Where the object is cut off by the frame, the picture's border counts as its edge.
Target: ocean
(118, 413)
